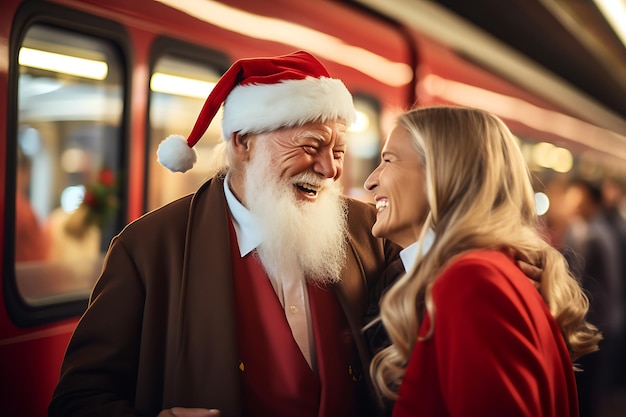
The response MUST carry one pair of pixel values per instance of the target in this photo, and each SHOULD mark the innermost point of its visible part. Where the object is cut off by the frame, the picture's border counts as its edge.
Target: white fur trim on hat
(260, 108)
(175, 154)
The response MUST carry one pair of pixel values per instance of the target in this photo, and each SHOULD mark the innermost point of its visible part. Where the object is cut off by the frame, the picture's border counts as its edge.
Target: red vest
(276, 379)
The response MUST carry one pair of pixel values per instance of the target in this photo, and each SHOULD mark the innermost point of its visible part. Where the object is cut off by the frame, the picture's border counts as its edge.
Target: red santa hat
(262, 95)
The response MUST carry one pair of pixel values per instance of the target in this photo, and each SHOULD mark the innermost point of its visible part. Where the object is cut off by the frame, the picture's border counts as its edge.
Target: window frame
(168, 46)
(32, 13)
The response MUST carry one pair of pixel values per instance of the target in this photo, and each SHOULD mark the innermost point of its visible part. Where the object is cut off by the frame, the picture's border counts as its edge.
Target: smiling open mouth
(308, 189)
(381, 204)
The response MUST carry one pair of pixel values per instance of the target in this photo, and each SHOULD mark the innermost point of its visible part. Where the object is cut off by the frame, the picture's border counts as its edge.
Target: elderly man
(248, 296)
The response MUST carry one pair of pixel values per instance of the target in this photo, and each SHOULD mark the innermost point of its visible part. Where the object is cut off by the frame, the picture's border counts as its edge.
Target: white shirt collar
(246, 226)
(409, 254)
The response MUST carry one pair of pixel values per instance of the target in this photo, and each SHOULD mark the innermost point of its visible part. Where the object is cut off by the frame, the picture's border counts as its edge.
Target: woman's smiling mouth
(382, 204)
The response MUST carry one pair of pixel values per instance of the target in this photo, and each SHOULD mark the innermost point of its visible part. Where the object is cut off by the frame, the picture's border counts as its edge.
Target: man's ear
(241, 146)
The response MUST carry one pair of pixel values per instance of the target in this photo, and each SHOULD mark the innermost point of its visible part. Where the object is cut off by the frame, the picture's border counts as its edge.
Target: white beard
(298, 236)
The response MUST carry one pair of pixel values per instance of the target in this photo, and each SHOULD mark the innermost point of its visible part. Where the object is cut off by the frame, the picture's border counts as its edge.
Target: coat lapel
(352, 293)
(206, 373)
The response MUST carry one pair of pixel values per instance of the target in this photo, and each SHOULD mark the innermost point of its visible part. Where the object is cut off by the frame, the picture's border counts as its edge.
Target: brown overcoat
(160, 329)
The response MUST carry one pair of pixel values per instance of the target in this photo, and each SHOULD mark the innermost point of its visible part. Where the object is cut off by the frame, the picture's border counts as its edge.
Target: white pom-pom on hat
(267, 94)
(175, 154)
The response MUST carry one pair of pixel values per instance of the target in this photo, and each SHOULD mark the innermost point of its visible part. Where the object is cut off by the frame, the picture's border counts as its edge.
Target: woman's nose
(372, 180)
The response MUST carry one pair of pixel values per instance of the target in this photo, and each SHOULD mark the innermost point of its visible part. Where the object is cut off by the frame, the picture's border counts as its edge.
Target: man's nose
(326, 165)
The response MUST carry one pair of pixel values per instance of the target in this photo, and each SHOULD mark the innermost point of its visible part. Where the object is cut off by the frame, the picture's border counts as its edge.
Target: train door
(64, 182)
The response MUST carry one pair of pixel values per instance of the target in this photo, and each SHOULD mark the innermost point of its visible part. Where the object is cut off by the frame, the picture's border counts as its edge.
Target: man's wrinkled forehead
(325, 130)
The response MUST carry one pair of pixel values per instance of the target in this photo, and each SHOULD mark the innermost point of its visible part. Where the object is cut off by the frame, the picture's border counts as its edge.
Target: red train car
(89, 88)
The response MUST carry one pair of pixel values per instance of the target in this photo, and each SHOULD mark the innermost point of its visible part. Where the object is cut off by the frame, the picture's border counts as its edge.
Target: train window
(178, 88)
(364, 142)
(69, 147)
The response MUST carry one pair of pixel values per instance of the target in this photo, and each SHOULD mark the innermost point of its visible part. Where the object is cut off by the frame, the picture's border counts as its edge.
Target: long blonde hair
(480, 195)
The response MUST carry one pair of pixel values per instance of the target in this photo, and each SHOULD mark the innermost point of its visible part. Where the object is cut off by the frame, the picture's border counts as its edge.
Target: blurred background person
(593, 250)
(614, 196)
(31, 240)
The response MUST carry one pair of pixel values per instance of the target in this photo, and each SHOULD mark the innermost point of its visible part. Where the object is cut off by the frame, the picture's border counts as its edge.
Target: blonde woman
(471, 333)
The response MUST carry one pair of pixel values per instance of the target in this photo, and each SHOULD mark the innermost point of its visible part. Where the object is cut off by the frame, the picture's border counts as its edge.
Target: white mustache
(313, 179)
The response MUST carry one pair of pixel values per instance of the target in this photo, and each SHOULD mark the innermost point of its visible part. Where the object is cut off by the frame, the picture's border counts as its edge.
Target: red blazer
(496, 350)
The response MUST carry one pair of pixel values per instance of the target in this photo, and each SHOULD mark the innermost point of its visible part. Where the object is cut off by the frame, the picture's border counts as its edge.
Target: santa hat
(262, 95)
